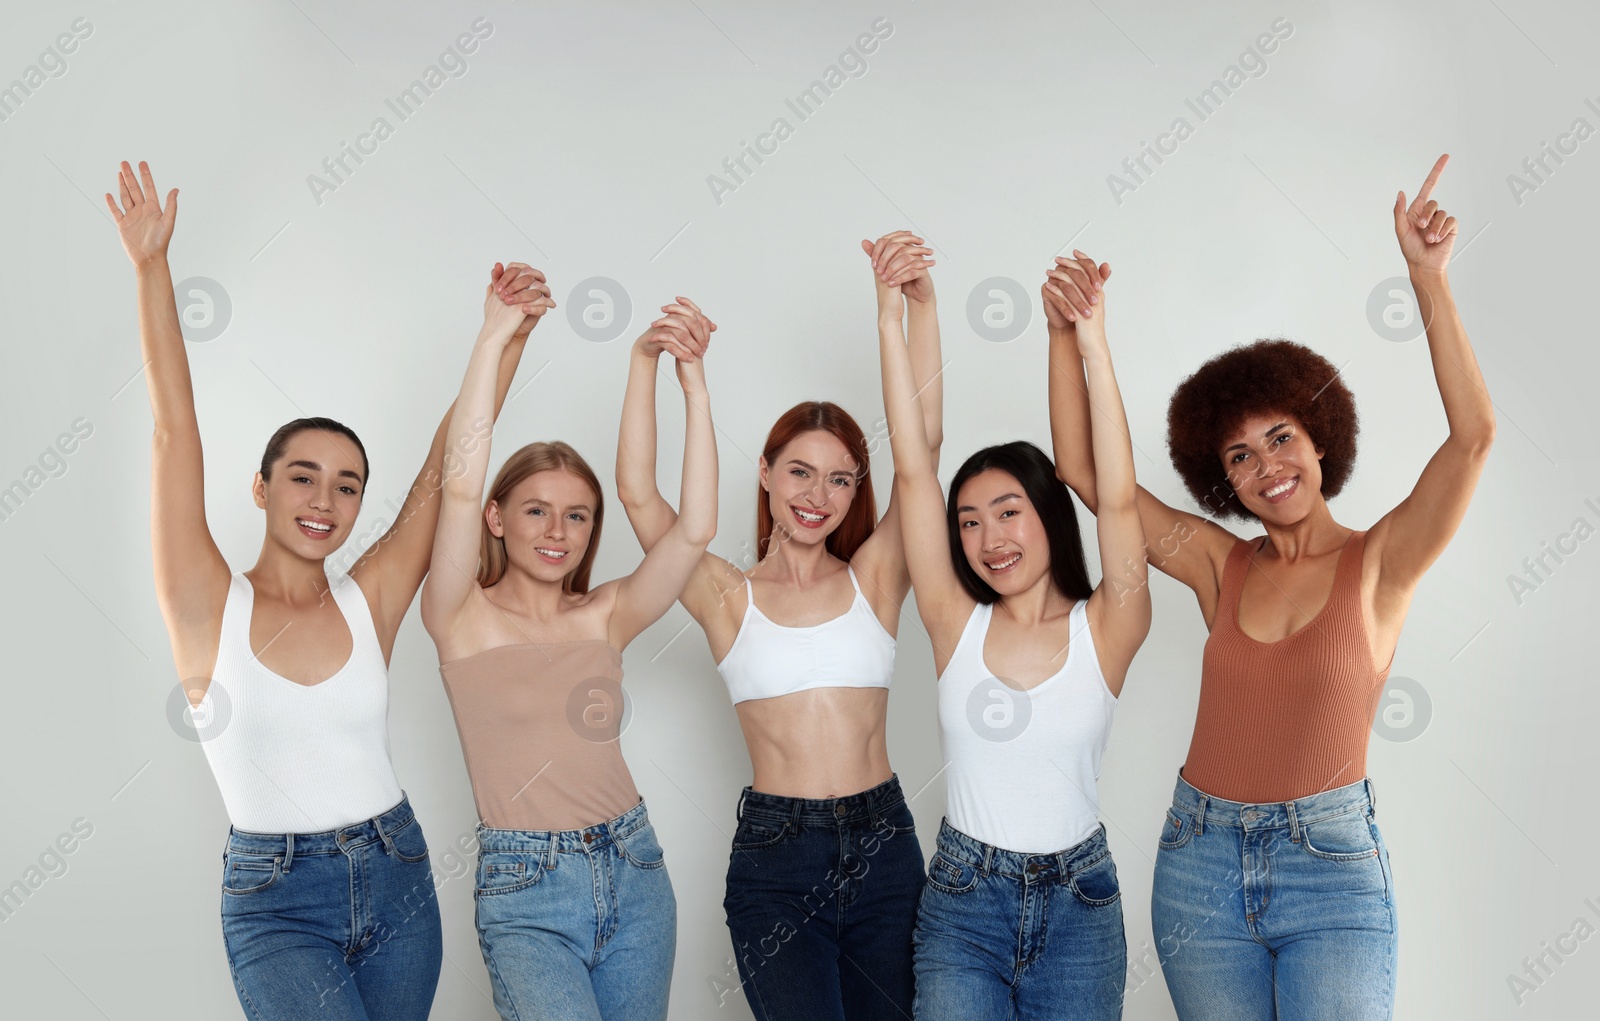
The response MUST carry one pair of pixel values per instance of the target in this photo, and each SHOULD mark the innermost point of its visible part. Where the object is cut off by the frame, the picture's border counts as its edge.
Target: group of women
(1273, 895)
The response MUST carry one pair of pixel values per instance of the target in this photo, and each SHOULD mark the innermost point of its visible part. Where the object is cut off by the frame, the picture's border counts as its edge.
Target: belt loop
(388, 845)
(1200, 816)
(288, 850)
(988, 858)
(550, 852)
(794, 814)
(738, 812)
(1294, 823)
(1062, 871)
(1372, 795)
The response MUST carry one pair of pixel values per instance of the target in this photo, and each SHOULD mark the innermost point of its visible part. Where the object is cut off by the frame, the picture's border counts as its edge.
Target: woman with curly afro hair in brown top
(1273, 895)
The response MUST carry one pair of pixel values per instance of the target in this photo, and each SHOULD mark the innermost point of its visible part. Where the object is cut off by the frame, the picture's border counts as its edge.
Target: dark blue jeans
(341, 925)
(821, 904)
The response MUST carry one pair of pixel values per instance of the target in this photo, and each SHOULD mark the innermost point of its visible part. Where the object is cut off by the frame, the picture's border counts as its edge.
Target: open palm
(144, 226)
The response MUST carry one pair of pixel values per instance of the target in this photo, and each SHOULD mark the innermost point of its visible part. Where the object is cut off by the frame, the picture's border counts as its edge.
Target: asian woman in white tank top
(287, 667)
(1021, 916)
(825, 869)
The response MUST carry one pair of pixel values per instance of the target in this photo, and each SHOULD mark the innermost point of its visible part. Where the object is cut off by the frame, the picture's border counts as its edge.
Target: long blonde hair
(533, 458)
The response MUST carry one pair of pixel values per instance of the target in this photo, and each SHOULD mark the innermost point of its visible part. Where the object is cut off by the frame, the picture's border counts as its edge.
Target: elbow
(1476, 441)
(698, 533)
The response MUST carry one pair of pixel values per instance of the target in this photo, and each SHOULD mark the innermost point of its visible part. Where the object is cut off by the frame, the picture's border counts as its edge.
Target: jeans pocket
(249, 873)
(641, 849)
(758, 832)
(1096, 885)
(507, 872)
(410, 846)
(1176, 831)
(949, 874)
(1343, 838)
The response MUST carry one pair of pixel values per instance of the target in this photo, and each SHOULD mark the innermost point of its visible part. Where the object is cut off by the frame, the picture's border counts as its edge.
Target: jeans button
(841, 811)
(588, 838)
(1033, 868)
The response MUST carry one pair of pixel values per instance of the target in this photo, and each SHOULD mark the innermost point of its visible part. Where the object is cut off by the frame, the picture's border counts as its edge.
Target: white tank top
(850, 651)
(299, 758)
(1021, 767)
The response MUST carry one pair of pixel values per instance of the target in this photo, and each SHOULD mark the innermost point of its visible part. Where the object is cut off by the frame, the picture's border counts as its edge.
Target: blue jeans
(341, 925)
(1003, 935)
(821, 902)
(1275, 911)
(577, 925)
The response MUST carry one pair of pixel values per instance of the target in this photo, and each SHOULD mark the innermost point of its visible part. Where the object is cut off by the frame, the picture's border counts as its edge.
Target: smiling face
(1002, 535)
(546, 522)
(314, 494)
(1273, 467)
(810, 485)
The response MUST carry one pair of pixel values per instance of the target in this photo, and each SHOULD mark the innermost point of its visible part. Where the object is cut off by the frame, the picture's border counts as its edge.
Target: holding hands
(1072, 289)
(900, 263)
(684, 332)
(515, 300)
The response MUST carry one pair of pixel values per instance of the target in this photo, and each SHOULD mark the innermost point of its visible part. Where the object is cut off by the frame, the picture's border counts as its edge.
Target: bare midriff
(818, 743)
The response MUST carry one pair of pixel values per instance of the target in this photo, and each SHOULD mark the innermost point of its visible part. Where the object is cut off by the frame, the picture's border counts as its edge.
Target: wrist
(1423, 275)
(152, 264)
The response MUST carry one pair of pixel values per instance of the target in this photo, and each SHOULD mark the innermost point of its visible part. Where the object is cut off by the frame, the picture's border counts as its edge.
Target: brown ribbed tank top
(539, 728)
(1286, 719)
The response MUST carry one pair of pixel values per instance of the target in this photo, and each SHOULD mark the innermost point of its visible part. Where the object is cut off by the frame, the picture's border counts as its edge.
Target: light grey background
(580, 139)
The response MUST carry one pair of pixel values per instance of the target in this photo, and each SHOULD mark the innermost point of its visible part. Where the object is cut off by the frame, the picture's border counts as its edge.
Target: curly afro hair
(1260, 378)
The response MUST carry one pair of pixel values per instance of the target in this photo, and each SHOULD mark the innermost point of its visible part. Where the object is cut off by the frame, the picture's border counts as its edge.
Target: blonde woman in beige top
(575, 911)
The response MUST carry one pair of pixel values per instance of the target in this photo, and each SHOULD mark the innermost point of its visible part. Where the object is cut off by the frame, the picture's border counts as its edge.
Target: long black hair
(1037, 475)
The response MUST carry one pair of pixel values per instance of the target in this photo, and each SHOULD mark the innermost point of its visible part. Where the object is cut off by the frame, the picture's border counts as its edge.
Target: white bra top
(767, 659)
(1022, 766)
(299, 758)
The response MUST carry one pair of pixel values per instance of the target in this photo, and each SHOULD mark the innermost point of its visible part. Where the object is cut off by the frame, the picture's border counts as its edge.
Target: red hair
(862, 517)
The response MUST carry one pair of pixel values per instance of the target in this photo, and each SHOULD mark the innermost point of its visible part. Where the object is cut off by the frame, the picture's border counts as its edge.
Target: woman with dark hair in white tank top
(575, 912)
(328, 907)
(1021, 916)
(825, 869)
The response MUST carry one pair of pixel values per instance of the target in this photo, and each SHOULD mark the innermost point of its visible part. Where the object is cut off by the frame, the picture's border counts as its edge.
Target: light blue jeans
(1275, 911)
(341, 925)
(1003, 935)
(577, 925)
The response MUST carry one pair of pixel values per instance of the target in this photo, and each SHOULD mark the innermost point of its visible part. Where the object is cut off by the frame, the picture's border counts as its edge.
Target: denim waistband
(337, 841)
(866, 806)
(1017, 865)
(589, 838)
(1290, 815)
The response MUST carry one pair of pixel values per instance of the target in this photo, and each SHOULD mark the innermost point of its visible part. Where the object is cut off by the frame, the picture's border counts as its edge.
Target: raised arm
(1119, 609)
(453, 563)
(190, 575)
(392, 568)
(901, 259)
(1410, 537)
(680, 551)
(941, 601)
(1185, 546)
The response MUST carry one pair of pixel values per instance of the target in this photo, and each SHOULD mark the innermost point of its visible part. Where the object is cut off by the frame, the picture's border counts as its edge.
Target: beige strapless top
(539, 727)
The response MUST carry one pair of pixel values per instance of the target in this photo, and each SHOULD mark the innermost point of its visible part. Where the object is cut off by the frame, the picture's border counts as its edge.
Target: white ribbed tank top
(299, 758)
(1022, 767)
